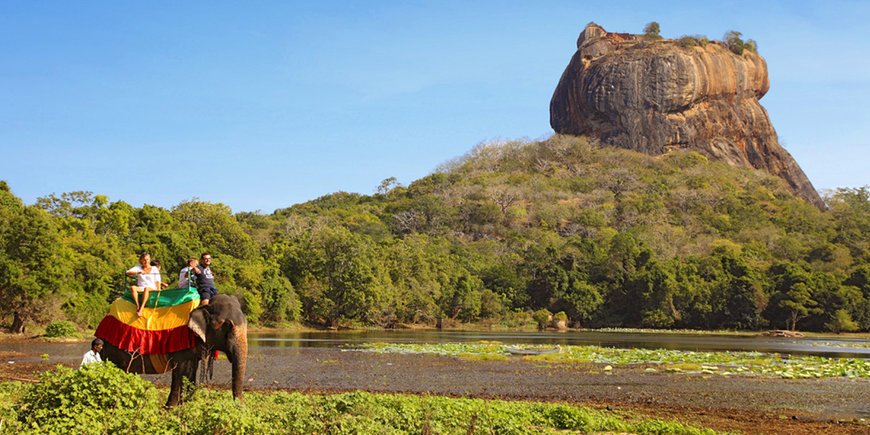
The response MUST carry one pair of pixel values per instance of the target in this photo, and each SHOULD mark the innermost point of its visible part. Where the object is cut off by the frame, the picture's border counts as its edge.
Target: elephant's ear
(197, 323)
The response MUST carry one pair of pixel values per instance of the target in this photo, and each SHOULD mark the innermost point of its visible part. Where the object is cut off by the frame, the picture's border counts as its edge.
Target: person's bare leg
(135, 291)
(145, 294)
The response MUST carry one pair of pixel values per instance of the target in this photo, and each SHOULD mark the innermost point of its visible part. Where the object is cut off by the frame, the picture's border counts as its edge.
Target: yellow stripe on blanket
(152, 319)
(160, 362)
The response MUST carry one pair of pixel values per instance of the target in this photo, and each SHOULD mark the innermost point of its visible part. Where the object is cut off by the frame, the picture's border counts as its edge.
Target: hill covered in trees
(610, 237)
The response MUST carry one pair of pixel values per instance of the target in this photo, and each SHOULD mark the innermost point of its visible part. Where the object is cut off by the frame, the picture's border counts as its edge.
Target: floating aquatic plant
(728, 363)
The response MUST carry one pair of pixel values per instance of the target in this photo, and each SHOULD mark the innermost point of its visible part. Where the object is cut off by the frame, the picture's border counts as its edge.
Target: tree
(796, 303)
(860, 280)
(505, 280)
(491, 304)
(850, 209)
(342, 276)
(279, 301)
(656, 285)
(32, 263)
(387, 185)
(215, 228)
(737, 295)
(652, 30)
(465, 303)
(842, 322)
(583, 300)
(791, 299)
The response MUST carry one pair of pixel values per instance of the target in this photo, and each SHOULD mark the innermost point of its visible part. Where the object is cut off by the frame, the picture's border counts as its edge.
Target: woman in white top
(147, 279)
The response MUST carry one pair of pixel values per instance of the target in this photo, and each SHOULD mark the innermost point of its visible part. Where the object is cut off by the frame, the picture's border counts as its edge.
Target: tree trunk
(17, 324)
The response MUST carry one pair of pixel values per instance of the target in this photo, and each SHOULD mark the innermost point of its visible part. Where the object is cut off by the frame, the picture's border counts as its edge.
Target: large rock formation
(655, 96)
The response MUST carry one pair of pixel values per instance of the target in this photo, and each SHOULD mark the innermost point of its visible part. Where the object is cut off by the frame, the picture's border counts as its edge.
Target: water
(832, 347)
(828, 347)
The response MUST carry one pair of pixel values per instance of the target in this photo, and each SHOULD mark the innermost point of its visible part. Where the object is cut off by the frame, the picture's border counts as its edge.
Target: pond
(833, 347)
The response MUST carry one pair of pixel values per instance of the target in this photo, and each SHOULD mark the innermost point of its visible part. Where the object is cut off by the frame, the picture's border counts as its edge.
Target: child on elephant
(186, 278)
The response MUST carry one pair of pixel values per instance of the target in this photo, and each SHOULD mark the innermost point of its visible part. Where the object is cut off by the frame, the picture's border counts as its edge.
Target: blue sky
(260, 105)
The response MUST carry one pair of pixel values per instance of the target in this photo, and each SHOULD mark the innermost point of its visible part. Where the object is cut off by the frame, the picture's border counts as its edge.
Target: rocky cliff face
(657, 96)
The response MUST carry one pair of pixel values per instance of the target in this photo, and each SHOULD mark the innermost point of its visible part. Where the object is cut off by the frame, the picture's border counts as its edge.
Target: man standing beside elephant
(205, 279)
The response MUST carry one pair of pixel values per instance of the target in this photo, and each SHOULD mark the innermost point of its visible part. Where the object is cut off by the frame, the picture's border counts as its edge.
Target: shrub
(542, 317)
(693, 41)
(10, 394)
(733, 42)
(61, 328)
(560, 320)
(99, 398)
(751, 45)
(517, 319)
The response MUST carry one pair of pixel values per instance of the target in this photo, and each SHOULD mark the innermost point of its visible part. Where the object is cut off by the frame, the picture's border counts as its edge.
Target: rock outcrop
(655, 96)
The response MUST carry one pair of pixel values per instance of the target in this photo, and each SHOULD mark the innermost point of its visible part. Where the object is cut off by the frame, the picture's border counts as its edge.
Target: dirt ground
(748, 405)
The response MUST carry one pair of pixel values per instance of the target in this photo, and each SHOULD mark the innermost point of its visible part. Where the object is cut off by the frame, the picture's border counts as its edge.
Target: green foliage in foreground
(103, 399)
(722, 363)
(97, 398)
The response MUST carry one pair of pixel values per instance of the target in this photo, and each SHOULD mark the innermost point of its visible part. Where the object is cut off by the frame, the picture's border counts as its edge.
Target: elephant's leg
(184, 369)
(175, 389)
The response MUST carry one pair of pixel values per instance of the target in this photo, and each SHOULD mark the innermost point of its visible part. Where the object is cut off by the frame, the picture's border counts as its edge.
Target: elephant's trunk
(240, 360)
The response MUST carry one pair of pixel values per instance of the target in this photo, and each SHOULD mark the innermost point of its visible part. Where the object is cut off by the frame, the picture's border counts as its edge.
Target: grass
(720, 363)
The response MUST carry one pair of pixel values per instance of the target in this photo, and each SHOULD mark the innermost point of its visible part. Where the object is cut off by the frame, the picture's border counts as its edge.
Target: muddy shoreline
(749, 405)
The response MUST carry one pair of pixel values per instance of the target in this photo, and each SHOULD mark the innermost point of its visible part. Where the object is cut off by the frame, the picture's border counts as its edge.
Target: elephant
(220, 326)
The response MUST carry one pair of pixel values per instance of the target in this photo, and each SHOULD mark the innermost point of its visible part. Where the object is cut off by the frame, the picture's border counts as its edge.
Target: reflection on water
(829, 347)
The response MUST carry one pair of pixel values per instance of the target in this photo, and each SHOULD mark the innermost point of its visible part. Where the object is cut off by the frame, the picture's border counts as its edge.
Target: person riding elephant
(219, 326)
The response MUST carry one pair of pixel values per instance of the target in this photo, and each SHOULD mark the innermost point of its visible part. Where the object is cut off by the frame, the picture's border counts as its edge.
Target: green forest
(510, 233)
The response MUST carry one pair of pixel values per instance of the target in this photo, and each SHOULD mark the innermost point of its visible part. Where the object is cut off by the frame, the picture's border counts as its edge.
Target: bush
(99, 398)
(10, 394)
(693, 41)
(61, 328)
(542, 317)
(751, 45)
(560, 320)
(517, 319)
(733, 42)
